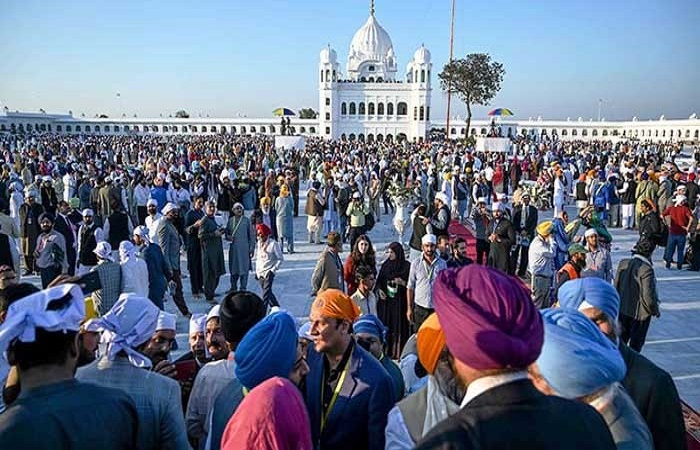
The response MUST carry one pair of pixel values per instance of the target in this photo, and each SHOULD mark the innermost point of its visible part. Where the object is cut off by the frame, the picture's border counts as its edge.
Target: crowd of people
(422, 348)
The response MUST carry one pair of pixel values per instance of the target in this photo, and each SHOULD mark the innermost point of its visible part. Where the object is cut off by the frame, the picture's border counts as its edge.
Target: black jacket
(530, 222)
(654, 393)
(517, 416)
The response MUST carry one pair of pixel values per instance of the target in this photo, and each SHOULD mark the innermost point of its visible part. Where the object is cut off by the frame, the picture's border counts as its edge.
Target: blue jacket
(158, 273)
(358, 418)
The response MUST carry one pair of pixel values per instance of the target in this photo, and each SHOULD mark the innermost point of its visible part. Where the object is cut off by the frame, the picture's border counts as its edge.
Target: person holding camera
(356, 212)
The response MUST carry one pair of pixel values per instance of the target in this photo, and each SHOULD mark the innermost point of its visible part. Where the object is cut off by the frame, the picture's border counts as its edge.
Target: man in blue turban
(269, 349)
(579, 362)
(371, 335)
(596, 299)
(651, 388)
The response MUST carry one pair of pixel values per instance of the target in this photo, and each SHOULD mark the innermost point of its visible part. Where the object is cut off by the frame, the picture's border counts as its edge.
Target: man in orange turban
(348, 392)
(413, 417)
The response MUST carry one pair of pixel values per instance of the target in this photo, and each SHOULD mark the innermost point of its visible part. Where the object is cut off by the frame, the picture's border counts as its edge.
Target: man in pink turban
(494, 332)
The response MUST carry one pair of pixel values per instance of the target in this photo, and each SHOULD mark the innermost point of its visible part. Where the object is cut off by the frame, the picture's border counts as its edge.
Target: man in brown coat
(314, 211)
(328, 273)
(636, 284)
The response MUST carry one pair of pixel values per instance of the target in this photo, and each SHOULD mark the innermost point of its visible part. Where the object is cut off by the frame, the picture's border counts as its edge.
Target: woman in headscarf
(134, 271)
(271, 417)
(391, 298)
(362, 254)
(284, 206)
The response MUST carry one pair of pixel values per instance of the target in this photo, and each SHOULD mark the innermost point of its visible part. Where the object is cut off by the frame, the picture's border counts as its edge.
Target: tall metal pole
(449, 85)
(600, 104)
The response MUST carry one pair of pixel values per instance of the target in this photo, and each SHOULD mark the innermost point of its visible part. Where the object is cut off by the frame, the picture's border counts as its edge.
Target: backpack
(369, 221)
(662, 236)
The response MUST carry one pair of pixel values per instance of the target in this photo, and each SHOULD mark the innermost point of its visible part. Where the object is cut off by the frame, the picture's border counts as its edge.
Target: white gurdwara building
(370, 102)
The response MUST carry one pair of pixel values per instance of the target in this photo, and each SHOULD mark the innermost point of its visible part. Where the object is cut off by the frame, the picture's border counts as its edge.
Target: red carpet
(456, 230)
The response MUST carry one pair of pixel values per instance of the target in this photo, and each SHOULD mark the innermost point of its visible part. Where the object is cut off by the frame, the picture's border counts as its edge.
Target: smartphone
(90, 282)
(186, 370)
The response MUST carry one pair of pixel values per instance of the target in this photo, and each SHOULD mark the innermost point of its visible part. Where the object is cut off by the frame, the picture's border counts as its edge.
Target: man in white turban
(127, 329)
(40, 334)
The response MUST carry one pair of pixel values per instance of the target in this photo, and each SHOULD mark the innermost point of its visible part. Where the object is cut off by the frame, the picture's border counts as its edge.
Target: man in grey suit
(639, 300)
(131, 323)
(169, 241)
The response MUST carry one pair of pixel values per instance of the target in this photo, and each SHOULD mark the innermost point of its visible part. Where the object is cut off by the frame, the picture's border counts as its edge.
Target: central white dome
(371, 52)
(371, 41)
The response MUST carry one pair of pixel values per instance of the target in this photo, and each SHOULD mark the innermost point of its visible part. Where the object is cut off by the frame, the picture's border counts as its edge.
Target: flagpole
(449, 87)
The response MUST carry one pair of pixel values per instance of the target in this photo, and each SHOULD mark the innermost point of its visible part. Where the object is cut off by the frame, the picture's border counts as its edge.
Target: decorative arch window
(59, 128)
(584, 133)
(263, 129)
(233, 130)
(564, 132)
(43, 127)
(422, 76)
(87, 128)
(69, 129)
(380, 109)
(302, 129)
(353, 111)
(173, 128)
(361, 109)
(422, 113)
(427, 113)
(615, 132)
(107, 128)
(252, 129)
(687, 133)
(363, 79)
(272, 129)
(453, 131)
(605, 132)
(328, 75)
(389, 109)
(482, 131)
(415, 113)
(595, 133)
(697, 133)
(312, 130)
(402, 109)
(474, 132)
(370, 109)
(194, 128)
(574, 132)
(77, 128)
(343, 109)
(204, 129)
(243, 131)
(321, 76)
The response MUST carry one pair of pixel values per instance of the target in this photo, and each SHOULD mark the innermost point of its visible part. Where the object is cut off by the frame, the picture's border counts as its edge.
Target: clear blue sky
(230, 57)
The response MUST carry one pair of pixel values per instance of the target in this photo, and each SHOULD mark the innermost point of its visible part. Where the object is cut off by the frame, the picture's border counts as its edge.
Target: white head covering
(678, 201)
(442, 197)
(590, 232)
(31, 312)
(88, 212)
(214, 312)
(166, 321)
(103, 250)
(142, 232)
(127, 251)
(170, 206)
(197, 323)
(498, 206)
(131, 322)
(152, 201)
(481, 200)
(238, 205)
(428, 239)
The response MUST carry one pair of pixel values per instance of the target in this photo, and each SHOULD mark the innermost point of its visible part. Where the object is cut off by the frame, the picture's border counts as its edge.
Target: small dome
(328, 55)
(422, 55)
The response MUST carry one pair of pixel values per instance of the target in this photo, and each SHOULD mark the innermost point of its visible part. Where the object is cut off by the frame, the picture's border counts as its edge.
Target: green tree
(182, 114)
(476, 79)
(307, 113)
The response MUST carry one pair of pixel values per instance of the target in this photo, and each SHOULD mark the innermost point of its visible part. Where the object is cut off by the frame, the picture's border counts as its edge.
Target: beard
(450, 384)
